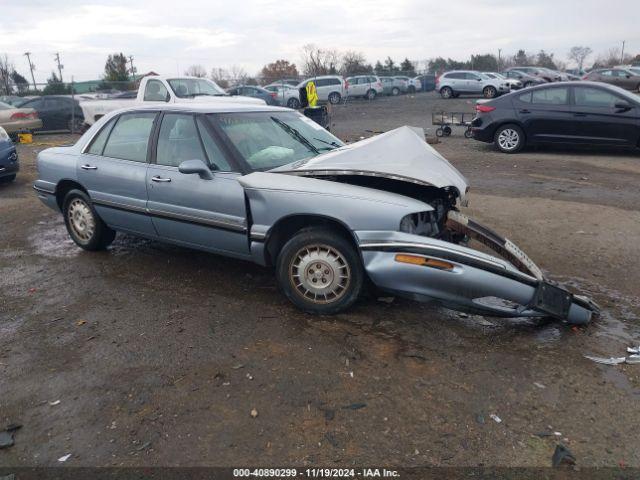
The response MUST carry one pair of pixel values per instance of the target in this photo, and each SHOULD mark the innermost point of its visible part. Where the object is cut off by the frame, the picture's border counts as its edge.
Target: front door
(113, 169)
(546, 114)
(205, 213)
(598, 121)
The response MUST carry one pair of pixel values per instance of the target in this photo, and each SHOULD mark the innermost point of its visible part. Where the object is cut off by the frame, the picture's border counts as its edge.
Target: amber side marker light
(425, 262)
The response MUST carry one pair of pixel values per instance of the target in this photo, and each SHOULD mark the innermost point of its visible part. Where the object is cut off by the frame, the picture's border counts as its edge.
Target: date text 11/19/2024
(315, 473)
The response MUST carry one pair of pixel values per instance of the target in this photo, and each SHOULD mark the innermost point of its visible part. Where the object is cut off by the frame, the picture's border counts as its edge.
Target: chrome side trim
(120, 206)
(43, 190)
(205, 221)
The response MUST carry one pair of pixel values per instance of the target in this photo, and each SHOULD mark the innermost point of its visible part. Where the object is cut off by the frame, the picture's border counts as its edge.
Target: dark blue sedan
(8, 158)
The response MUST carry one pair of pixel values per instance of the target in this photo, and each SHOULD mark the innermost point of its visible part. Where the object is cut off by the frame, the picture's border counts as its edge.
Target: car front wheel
(490, 92)
(334, 98)
(83, 224)
(293, 103)
(320, 271)
(509, 138)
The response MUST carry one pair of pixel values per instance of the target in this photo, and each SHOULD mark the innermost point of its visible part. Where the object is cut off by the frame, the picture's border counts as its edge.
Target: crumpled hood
(402, 154)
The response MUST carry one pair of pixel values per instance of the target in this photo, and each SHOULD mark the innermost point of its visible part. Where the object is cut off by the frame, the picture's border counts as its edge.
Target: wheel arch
(65, 186)
(286, 227)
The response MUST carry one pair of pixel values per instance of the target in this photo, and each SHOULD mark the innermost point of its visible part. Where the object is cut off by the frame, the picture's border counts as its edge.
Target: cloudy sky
(168, 36)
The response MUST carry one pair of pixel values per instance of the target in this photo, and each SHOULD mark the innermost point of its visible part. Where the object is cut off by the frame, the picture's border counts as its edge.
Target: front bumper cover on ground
(473, 281)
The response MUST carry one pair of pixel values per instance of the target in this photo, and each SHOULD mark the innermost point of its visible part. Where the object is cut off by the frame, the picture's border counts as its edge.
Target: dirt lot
(158, 354)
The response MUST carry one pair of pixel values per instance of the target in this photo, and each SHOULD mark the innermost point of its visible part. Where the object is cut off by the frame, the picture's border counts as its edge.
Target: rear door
(206, 213)
(546, 114)
(473, 82)
(599, 122)
(113, 169)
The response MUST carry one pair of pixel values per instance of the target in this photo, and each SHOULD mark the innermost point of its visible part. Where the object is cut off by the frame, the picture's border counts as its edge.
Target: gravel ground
(158, 354)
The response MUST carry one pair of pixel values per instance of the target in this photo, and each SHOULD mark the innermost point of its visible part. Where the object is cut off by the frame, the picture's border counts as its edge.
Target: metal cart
(445, 120)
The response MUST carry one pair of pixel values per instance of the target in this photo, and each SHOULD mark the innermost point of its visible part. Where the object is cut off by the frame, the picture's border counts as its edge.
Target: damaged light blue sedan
(269, 185)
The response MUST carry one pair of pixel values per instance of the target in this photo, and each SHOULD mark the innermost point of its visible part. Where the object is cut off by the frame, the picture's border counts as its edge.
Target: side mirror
(622, 105)
(195, 166)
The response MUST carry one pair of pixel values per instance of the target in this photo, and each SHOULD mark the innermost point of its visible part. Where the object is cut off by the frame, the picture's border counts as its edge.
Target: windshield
(268, 140)
(193, 87)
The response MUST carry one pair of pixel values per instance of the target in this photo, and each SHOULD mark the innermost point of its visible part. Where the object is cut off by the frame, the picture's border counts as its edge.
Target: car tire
(293, 103)
(509, 138)
(84, 225)
(446, 92)
(329, 289)
(8, 179)
(371, 94)
(489, 92)
(334, 98)
(395, 91)
(527, 84)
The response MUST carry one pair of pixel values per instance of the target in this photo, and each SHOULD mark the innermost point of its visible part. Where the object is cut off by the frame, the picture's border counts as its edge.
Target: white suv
(452, 84)
(367, 86)
(330, 88)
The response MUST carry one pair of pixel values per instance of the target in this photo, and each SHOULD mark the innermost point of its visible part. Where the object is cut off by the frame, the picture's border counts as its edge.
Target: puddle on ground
(50, 239)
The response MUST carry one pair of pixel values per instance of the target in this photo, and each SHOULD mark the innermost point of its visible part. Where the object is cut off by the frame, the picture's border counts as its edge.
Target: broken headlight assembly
(421, 223)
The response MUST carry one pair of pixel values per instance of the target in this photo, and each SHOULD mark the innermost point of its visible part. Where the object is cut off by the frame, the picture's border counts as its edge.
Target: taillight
(274, 94)
(484, 108)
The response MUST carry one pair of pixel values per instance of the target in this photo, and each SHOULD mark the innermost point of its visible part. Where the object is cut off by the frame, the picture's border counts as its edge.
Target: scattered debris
(354, 406)
(562, 456)
(480, 418)
(331, 439)
(634, 350)
(633, 359)
(254, 413)
(64, 458)
(237, 367)
(144, 446)
(485, 323)
(496, 418)
(543, 434)
(388, 300)
(539, 385)
(54, 403)
(6, 436)
(606, 361)
(81, 322)
(249, 376)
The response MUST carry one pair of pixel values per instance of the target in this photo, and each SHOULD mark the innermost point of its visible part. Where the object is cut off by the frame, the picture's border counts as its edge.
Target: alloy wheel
(508, 139)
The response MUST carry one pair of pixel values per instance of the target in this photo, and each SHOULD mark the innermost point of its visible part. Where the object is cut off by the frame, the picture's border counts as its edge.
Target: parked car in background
(129, 94)
(265, 184)
(511, 82)
(16, 119)
(330, 88)
(615, 76)
(452, 84)
(541, 73)
(8, 158)
(292, 82)
(524, 78)
(286, 95)
(413, 84)
(57, 112)
(367, 86)
(14, 100)
(390, 86)
(582, 113)
(253, 91)
(427, 82)
(155, 89)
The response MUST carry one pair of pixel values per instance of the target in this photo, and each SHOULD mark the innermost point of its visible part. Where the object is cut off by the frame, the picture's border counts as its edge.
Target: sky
(169, 36)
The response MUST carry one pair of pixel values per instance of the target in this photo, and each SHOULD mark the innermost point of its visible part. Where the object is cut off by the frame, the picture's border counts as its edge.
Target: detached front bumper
(465, 279)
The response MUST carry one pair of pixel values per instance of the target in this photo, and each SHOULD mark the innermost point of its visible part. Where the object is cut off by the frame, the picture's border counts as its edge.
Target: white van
(330, 88)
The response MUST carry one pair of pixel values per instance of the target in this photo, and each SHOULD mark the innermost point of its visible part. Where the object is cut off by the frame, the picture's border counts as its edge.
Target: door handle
(160, 179)
(88, 167)
(524, 110)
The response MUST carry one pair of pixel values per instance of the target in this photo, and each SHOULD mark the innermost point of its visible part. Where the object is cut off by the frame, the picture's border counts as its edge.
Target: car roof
(226, 107)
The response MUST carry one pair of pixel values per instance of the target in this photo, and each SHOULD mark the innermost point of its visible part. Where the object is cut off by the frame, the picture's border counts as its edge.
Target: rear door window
(550, 96)
(97, 146)
(129, 139)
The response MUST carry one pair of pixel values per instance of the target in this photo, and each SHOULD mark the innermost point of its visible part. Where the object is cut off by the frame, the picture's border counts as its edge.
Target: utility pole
(32, 68)
(133, 70)
(60, 67)
(499, 59)
(622, 54)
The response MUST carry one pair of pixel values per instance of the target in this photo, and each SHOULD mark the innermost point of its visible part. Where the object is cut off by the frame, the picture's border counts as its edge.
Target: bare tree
(579, 55)
(237, 75)
(220, 76)
(611, 58)
(319, 61)
(196, 71)
(6, 68)
(354, 63)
